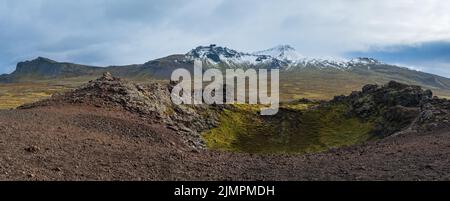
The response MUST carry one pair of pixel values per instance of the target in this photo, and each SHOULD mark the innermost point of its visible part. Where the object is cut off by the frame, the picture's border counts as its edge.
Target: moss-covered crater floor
(297, 128)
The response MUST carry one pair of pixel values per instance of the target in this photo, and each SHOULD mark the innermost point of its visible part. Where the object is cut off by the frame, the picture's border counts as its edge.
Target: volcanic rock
(151, 101)
(397, 106)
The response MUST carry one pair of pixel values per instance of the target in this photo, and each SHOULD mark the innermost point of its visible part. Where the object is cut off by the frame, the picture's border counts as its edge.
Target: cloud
(431, 57)
(105, 32)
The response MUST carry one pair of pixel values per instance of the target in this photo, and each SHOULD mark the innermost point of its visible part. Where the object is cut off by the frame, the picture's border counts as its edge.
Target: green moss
(232, 122)
(337, 130)
(295, 129)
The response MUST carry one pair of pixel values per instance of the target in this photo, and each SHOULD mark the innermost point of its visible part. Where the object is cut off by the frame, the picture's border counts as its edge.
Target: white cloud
(118, 32)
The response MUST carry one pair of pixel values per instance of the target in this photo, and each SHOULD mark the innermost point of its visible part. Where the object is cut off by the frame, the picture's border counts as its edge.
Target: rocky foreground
(110, 129)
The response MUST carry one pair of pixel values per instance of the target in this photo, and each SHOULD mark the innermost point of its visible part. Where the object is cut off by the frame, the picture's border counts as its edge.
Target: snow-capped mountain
(283, 56)
(282, 52)
(215, 55)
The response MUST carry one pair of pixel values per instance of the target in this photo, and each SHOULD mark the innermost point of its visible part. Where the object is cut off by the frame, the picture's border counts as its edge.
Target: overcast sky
(105, 32)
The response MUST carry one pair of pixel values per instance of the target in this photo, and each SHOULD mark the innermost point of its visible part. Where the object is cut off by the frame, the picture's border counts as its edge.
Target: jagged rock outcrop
(395, 107)
(151, 101)
(435, 114)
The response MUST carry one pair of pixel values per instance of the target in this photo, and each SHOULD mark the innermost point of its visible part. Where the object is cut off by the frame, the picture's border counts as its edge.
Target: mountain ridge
(284, 57)
(281, 56)
(296, 70)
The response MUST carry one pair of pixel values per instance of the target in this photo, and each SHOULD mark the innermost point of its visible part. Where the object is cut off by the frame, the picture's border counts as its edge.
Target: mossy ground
(295, 129)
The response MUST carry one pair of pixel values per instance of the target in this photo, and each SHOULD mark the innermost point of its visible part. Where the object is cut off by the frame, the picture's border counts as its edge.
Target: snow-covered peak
(213, 52)
(216, 54)
(282, 52)
(282, 56)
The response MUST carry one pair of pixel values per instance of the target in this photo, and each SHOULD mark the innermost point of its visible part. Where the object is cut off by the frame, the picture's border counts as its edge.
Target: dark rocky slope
(152, 102)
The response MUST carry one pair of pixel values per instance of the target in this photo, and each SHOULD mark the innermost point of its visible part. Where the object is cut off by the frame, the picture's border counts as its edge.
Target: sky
(412, 33)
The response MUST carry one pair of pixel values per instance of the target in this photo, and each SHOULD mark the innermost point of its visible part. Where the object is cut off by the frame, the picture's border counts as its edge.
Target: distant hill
(46, 68)
(300, 76)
